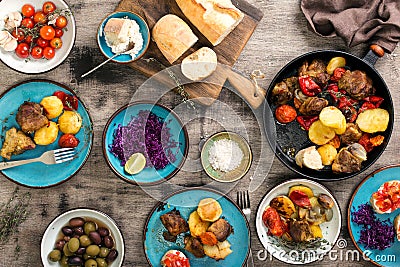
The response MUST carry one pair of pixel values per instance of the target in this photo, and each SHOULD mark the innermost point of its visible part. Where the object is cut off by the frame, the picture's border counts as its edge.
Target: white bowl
(34, 66)
(52, 234)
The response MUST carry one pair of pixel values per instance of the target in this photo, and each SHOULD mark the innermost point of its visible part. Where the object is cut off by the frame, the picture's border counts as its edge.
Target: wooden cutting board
(227, 51)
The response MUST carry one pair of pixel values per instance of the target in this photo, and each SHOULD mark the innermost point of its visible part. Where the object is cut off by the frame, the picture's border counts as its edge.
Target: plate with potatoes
(38, 116)
(333, 115)
(204, 225)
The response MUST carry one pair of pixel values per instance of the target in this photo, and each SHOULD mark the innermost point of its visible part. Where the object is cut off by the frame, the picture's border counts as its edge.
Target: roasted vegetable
(328, 154)
(273, 222)
(196, 225)
(316, 231)
(218, 252)
(300, 199)
(47, 134)
(208, 238)
(334, 63)
(325, 201)
(209, 210)
(306, 121)
(283, 205)
(320, 134)
(373, 120)
(285, 114)
(332, 117)
(305, 189)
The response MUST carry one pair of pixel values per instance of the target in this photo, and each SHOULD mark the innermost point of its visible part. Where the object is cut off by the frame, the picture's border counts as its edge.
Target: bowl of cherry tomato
(35, 36)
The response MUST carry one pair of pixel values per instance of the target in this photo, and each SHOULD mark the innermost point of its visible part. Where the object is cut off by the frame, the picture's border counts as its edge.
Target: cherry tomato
(28, 23)
(47, 32)
(28, 39)
(19, 35)
(285, 114)
(28, 10)
(273, 221)
(22, 50)
(59, 32)
(68, 140)
(300, 199)
(60, 94)
(37, 52)
(49, 52)
(56, 43)
(48, 7)
(40, 17)
(61, 22)
(70, 102)
(42, 42)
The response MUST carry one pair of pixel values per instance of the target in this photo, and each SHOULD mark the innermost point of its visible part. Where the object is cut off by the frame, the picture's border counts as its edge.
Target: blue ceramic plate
(38, 174)
(106, 50)
(149, 175)
(186, 202)
(362, 195)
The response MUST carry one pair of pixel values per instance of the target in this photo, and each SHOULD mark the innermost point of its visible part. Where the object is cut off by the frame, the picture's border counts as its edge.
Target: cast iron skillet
(290, 138)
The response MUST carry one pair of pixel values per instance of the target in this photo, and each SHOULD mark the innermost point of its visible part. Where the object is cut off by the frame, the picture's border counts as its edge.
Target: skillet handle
(374, 54)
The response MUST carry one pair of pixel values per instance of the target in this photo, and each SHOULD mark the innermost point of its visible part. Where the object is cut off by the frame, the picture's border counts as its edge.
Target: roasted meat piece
(194, 246)
(351, 135)
(221, 229)
(313, 106)
(357, 84)
(316, 70)
(346, 162)
(174, 222)
(300, 231)
(283, 91)
(16, 142)
(30, 117)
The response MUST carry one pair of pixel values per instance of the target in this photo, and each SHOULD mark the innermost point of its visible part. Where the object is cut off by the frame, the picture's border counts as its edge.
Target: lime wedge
(135, 163)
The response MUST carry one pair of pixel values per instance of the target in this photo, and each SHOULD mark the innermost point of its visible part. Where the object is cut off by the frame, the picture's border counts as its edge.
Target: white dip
(120, 32)
(225, 155)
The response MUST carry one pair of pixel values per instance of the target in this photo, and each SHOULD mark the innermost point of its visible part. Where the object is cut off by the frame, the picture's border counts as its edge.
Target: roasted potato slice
(332, 117)
(283, 205)
(209, 209)
(197, 226)
(373, 120)
(334, 63)
(320, 134)
(305, 189)
(47, 134)
(342, 127)
(219, 251)
(328, 154)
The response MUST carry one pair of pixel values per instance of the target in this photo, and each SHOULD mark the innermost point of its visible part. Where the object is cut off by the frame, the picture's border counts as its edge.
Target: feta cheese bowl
(226, 157)
(117, 31)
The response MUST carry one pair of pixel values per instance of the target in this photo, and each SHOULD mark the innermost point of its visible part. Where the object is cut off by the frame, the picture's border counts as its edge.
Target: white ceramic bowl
(53, 231)
(330, 230)
(34, 66)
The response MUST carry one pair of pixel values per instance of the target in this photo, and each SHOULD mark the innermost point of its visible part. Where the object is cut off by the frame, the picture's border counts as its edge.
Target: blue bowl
(144, 30)
(149, 175)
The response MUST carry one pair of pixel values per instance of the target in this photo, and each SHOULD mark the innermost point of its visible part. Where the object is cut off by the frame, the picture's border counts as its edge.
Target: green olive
(85, 240)
(104, 252)
(73, 244)
(55, 255)
(86, 256)
(334, 63)
(66, 251)
(101, 262)
(64, 261)
(93, 250)
(89, 227)
(91, 263)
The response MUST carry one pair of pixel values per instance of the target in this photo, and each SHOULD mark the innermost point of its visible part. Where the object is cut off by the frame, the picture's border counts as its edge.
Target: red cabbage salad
(148, 134)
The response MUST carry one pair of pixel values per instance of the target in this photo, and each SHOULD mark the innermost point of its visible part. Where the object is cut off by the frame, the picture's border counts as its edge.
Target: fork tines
(243, 199)
(64, 154)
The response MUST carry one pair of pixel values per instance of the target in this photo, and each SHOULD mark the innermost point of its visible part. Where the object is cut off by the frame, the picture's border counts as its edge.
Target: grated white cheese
(225, 155)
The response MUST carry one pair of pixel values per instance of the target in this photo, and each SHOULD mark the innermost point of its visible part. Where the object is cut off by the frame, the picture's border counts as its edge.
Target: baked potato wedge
(320, 134)
(197, 226)
(373, 120)
(328, 154)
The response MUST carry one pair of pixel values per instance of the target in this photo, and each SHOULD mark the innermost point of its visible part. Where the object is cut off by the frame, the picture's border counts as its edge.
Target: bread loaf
(199, 64)
(215, 19)
(173, 37)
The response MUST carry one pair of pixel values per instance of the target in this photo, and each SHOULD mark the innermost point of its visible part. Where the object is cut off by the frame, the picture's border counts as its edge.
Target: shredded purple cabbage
(375, 234)
(144, 134)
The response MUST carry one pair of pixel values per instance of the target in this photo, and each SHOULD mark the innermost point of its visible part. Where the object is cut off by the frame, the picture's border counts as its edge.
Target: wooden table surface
(281, 36)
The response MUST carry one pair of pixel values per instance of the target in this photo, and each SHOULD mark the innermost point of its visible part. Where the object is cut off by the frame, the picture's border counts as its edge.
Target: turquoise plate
(362, 195)
(186, 202)
(144, 30)
(38, 174)
(149, 175)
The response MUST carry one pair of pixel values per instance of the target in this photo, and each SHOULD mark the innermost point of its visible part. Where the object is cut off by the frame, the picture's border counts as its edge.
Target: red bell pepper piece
(345, 101)
(333, 91)
(306, 121)
(365, 106)
(375, 100)
(308, 86)
(337, 74)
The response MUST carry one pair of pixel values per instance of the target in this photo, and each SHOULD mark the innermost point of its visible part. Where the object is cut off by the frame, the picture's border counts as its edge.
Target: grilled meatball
(221, 229)
(30, 117)
(16, 142)
(346, 162)
(357, 84)
(351, 135)
(313, 106)
(174, 223)
(194, 246)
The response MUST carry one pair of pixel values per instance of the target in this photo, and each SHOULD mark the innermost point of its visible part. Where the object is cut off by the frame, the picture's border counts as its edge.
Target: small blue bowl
(106, 50)
(149, 175)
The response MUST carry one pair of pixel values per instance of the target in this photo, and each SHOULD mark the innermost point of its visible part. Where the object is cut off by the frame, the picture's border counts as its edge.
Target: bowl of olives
(82, 237)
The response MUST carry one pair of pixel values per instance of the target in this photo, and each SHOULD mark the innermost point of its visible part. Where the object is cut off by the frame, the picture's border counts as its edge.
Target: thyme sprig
(13, 213)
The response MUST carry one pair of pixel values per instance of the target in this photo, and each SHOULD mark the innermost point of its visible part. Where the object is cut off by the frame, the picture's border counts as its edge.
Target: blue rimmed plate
(390, 256)
(38, 174)
(123, 58)
(149, 175)
(186, 202)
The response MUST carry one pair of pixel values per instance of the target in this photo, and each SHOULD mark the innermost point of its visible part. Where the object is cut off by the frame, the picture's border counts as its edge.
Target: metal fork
(49, 157)
(243, 200)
